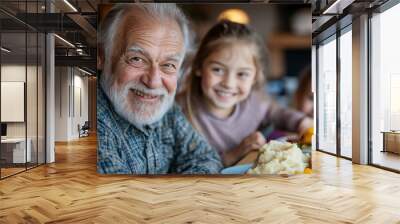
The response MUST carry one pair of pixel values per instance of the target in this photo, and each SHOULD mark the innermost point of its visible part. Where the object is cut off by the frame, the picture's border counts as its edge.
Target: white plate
(239, 169)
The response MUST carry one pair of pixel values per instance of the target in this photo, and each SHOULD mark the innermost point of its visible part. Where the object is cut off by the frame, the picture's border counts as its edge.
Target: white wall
(69, 85)
(79, 111)
(61, 103)
(17, 73)
(14, 73)
(33, 126)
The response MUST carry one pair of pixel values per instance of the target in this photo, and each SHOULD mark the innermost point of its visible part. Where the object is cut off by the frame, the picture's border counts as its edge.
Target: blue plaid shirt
(168, 146)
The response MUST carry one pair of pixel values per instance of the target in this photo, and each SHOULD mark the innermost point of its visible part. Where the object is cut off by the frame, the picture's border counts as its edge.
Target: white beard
(137, 113)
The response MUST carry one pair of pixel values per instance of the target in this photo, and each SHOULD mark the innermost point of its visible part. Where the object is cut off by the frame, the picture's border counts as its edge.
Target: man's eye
(170, 66)
(135, 59)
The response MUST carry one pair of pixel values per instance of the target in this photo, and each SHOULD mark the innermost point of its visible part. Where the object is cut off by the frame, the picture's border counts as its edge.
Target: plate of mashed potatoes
(277, 157)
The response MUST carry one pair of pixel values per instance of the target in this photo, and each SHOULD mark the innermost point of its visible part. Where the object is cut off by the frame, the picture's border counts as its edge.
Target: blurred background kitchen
(285, 30)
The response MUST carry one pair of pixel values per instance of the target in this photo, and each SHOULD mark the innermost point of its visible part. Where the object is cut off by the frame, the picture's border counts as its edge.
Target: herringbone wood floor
(70, 191)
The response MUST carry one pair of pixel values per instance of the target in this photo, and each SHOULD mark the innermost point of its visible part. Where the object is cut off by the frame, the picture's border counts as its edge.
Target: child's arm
(253, 142)
(287, 119)
(305, 124)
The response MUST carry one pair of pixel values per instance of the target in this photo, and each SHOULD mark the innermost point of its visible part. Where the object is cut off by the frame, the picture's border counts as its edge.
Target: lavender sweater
(252, 113)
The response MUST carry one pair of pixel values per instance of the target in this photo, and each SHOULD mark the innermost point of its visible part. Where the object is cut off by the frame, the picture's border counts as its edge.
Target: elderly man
(140, 129)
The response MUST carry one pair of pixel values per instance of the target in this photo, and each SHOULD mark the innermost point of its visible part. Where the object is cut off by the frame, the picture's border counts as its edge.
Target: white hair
(108, 28)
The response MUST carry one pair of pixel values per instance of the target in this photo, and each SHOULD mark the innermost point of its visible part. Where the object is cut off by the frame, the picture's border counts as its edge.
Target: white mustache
(136, 112)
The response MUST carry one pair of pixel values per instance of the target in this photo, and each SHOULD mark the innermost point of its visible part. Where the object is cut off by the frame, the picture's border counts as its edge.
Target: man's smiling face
(146, 59)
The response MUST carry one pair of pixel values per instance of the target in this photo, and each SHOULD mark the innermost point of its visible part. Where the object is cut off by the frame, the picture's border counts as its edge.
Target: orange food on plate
(308, 171)
(307, 137)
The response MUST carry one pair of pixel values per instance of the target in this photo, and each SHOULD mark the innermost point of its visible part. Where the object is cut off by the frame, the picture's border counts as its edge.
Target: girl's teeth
(224, 93)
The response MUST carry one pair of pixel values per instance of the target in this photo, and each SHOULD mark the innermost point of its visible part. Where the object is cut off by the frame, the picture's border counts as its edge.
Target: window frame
(341, 27)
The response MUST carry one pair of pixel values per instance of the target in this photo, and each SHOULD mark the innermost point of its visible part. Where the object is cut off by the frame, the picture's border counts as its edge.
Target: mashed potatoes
(280, 158)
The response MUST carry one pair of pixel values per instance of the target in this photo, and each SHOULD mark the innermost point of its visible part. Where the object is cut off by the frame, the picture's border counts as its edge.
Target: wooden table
(391, 141)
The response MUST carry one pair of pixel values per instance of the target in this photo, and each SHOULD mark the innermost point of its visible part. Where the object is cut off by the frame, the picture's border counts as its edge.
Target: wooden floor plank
(70, 191)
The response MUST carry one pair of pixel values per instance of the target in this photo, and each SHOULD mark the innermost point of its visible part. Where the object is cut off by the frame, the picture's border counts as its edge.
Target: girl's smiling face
(227, 76)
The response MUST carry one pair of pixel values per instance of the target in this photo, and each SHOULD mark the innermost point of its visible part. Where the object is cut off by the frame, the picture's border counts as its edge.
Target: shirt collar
(146, 129)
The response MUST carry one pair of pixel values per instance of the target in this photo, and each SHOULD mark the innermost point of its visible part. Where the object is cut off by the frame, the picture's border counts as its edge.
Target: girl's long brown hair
(224, 33)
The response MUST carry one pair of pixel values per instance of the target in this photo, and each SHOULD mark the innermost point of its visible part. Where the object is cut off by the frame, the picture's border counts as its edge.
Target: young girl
(223, 95)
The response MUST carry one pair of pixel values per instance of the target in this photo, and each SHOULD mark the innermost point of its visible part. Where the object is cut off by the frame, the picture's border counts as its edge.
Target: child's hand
(252, 142)
(304, 125)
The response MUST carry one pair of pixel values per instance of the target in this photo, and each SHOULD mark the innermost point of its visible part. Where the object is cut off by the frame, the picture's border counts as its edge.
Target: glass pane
(14, 153)
(32, 83)
(31, 97)
(327, 96)
(346, 94)
(386, 89)
(41, 98)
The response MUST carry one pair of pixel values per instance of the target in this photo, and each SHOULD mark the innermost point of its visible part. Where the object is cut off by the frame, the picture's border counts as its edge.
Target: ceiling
(77, 27)
(332, 15)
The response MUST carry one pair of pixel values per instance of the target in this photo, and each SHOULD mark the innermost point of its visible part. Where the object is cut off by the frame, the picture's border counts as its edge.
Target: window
(346, 93)
(22, 67)
(327, 96)
(385, 88)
